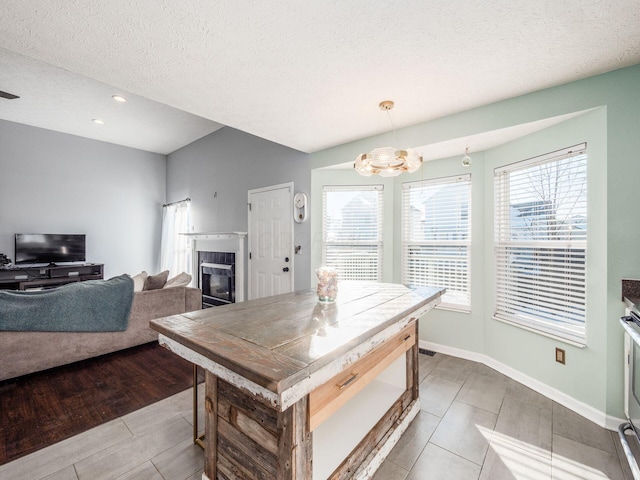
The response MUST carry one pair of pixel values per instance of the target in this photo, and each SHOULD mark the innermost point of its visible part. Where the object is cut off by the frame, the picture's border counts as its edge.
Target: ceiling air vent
(8, 96)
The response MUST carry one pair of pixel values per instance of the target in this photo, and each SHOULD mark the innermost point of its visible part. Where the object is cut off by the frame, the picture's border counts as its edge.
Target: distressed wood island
(295, 389)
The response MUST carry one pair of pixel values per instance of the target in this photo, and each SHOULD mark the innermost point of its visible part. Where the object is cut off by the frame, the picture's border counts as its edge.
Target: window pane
(541, 248)
(549, 202)
(353, 262)
(439, 212)
(352, 231)
(436, 236)
(442, 265)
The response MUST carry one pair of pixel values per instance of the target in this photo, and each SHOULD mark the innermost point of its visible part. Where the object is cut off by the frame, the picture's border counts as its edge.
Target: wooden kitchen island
(296, 389)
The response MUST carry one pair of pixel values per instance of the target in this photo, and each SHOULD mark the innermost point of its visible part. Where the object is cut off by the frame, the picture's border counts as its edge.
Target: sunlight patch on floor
(524, 461)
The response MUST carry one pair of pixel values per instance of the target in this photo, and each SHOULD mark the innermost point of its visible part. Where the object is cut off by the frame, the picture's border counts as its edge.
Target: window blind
(541, 243)
(436, 237)
(352, 223)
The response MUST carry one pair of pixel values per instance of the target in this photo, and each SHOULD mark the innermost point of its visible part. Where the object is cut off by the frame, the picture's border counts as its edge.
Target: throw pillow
(138, 281)
(181, 280)
(154, 282)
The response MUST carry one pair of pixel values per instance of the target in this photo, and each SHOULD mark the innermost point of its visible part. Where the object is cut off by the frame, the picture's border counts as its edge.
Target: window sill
(453, 308)
(543, 333)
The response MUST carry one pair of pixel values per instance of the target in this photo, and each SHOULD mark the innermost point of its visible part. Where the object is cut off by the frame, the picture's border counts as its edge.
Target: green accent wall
(608, 119)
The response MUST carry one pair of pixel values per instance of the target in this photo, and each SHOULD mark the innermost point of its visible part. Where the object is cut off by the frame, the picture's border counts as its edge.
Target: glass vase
(327, 284)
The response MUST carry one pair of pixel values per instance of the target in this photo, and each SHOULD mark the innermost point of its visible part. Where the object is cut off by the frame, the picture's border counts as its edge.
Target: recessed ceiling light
(8, 96)
(98, 121)
(119, 98)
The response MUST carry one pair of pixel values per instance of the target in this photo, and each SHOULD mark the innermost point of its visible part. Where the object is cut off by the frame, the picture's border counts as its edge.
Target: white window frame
(377, 244)
(456, 278)
(541, 264)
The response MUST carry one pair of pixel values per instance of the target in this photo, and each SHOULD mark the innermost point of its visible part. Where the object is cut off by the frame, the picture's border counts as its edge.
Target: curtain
(175, 249)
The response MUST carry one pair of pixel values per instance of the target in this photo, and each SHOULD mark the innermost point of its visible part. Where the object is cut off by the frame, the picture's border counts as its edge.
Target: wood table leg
(294, 446)
(245, 438)
(197, 439)
(413, 374)
(210, 425)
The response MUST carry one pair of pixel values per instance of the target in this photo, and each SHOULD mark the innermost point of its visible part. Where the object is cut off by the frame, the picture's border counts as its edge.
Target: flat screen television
(50, 248)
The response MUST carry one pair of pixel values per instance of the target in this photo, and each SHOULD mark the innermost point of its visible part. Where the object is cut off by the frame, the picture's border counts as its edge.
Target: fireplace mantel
(216, 236)
(232, 242)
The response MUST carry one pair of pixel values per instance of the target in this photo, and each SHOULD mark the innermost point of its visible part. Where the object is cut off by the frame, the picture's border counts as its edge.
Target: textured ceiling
(56, 99)
(309, 75)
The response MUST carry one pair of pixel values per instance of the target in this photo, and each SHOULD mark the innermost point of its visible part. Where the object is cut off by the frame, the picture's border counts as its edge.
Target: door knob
(285, 269)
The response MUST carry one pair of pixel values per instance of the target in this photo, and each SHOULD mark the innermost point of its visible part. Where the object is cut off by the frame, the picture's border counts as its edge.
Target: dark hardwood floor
(43, 408)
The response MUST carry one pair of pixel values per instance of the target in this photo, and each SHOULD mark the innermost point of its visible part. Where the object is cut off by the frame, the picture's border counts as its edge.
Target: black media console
(25, 278)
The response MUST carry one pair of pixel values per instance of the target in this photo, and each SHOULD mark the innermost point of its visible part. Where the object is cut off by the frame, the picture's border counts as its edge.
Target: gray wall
(52, 182)
(217, 171)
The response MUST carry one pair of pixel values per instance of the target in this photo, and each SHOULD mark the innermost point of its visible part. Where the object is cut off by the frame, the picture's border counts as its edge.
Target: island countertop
(278, 342)
(296, 389)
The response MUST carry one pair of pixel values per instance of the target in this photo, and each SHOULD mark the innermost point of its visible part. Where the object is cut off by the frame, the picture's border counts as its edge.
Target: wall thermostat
(300, 207)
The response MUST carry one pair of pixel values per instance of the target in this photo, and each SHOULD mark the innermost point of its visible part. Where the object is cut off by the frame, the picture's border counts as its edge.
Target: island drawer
(329, 397)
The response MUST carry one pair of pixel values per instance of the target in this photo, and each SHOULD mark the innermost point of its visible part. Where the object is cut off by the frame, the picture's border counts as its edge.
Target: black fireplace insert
(217, 278)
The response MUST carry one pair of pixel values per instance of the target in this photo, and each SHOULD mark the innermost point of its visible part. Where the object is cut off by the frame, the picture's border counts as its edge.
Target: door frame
(280, 186)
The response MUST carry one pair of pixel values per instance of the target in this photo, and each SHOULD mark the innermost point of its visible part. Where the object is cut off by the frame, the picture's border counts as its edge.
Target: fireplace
(217, 278)
(218, 266)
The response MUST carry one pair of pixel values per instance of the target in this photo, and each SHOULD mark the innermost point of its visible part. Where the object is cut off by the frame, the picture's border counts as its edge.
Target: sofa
(27, 352)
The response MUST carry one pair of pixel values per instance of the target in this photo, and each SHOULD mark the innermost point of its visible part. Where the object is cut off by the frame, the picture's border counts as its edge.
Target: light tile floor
(474, 423)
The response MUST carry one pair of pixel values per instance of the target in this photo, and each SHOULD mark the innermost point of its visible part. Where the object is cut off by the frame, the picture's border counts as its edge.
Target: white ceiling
(57, 99)
(308, 75)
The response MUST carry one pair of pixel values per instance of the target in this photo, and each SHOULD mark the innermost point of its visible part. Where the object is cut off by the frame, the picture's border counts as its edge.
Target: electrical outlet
(560, 356)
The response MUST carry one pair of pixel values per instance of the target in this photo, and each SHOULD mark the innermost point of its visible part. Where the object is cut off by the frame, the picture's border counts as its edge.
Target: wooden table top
(278, 341)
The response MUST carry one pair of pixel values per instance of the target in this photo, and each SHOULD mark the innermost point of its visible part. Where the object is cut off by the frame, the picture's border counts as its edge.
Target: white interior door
(270, 241)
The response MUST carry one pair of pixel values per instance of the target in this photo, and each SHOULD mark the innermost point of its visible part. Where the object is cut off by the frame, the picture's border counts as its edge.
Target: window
(352, 231)
(175, 248)
(541, 243)
(436, 237)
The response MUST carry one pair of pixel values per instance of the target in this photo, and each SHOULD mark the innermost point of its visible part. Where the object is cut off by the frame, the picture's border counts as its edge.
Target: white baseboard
(587, 411)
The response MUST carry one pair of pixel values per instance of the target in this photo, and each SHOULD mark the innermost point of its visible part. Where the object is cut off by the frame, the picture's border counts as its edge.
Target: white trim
(587, 411)
(454, 308)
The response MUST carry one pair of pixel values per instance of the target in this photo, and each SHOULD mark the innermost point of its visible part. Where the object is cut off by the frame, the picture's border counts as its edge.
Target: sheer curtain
(175, 249)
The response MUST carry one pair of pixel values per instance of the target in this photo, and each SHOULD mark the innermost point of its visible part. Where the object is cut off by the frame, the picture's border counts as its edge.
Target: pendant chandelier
(466, 160)
(388, 161)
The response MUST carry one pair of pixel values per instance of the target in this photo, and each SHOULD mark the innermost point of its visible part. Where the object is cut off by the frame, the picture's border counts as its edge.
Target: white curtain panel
(175, 249)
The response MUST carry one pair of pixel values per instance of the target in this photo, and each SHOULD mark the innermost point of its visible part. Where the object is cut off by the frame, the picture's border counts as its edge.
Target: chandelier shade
(387, 161)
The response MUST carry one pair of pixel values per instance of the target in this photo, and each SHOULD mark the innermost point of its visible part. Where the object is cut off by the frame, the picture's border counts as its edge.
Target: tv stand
(52, 275)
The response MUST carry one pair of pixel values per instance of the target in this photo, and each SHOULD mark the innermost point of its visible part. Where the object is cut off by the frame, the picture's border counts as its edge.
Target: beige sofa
(28, 352)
